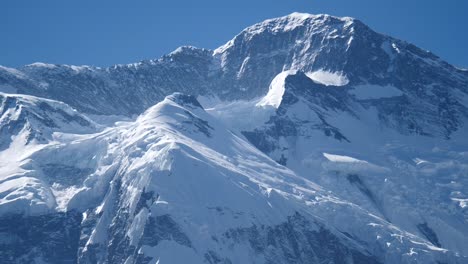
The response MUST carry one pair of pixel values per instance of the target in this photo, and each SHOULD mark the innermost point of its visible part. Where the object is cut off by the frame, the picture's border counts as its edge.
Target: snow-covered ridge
(285, 23)
(390, 116)
(48, 66)
(277, 87)
(330, 49)
(178, 168)
(33, 120)
(185, 49)
(41, 65)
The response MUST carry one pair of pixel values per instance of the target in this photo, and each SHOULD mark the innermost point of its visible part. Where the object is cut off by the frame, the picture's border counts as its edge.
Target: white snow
(42, 65)
(206, 183)
(209, 179)
(340, 158)
(395, 47)
(463, 203)
(276, 90)
(285, 24)
(32, 104)
(81, 68)
(419, 161)
(182, 49)
(20, 191)
(328, 78)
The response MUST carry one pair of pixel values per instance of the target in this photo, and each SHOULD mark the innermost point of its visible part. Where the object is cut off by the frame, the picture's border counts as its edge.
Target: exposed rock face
(50, 238)
(245, 66)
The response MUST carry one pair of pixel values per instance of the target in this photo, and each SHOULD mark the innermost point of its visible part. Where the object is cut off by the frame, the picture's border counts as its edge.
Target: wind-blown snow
(328, 78)
(276, 91)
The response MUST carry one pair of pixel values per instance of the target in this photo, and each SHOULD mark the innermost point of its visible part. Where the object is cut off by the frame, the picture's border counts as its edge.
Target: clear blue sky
(106, 32)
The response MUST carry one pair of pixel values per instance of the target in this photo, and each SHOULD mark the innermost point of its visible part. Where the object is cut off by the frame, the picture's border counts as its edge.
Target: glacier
(304, 139)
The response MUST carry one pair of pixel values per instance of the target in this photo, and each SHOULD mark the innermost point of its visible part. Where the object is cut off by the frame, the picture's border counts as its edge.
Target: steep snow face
(190, 190)
(31, 119)
(403, 82)
(176, 186)
(276, 91)
(28, 125)
(280, 25)
(296, 42)
(368, 117)
(344, 159)
(345, 144)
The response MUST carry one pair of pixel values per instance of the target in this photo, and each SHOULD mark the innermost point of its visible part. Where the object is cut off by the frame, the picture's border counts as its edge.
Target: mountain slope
(36, 119)
(117, 90)
(327, 47)
(322, 141)
(339, 141)
(164, 188)
(28, 124)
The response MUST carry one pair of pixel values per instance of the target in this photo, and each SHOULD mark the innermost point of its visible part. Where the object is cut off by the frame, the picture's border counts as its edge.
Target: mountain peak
(305, 16)
(352, 124)
(294, 21)
(184, 100)
(303, 19)
(190, 51)
(186, 49)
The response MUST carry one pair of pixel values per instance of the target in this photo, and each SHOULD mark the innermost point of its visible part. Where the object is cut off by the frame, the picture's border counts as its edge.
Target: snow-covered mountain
(27, 118)
(305, 139)
(335, 50)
